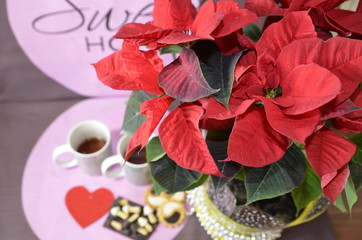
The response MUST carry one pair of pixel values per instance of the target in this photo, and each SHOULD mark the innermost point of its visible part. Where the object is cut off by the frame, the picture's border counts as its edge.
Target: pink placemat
(45, 185)
(64, 37)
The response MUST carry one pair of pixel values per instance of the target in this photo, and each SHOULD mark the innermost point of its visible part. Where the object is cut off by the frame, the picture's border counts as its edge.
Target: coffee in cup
(136, 169)
(89, 144)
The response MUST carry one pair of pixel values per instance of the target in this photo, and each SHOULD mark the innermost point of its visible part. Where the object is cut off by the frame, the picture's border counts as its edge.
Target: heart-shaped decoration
(86, 207)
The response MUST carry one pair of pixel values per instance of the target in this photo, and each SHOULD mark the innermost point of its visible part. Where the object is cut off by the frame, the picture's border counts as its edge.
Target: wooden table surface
(347, 228)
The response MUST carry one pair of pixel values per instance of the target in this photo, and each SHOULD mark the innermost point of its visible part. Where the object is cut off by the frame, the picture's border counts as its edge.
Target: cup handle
(61, 150)
(110, 162)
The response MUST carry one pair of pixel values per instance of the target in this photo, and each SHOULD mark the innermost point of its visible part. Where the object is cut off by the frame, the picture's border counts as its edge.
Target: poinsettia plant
(280, 105)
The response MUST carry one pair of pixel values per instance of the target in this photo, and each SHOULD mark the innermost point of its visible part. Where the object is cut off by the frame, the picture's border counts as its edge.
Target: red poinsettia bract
(154, 109)
(323, 13)
(178, 22)
(183, 142)
(328, 153)
(131, 69)
(285, 88)
(351, 121)
(296, 78)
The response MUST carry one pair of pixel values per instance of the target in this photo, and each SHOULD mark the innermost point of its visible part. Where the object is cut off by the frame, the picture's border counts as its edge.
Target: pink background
(56, 35)
(45, 185)
(64, 56)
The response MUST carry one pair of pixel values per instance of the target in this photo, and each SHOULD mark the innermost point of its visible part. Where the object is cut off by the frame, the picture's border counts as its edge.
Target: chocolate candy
(123, 202)
(152, 218)
(114, 210)
(123, 215)
(116, 225)
(171, 213)
(142, 231)
(131, 219)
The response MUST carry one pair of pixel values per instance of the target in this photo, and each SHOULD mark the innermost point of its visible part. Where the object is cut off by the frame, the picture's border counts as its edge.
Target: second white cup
(137, 172)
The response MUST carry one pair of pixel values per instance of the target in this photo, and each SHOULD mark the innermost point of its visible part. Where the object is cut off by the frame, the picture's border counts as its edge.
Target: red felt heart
(86, 207)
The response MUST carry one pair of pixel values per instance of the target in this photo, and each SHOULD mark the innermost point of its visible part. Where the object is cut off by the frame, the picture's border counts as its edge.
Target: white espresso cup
(138, 174)
(89, 135)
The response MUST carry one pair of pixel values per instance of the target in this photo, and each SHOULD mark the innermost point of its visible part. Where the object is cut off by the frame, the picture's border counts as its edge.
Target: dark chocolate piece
(134, 227)
(126, 225)
(131, 229)
(127, 232)
(174, 218)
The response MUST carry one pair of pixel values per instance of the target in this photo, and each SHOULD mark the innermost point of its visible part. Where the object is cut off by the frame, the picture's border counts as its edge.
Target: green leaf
(154, 150)
(172, 177)
(218, 69)
(219, 182)
(276, 179)
(240, 175)
(357, 157)
(218, 150)
(198, 183)
(355, 165)
(357, 139)
(340, 203)
(171, 49)
(132, 117)
(309, 190)
(252, 31)
(351, 194)
(328, 124)
(157, 188)
(355, 169)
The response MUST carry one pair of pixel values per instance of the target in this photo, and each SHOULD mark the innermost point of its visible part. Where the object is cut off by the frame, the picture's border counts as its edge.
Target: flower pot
(256, 224)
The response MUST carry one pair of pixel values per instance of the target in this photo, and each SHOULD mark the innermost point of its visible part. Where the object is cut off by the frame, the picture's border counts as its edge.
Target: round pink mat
(45, 185)
(64, 37)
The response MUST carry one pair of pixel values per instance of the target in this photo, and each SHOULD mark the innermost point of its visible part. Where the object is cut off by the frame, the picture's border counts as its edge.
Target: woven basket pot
(253, 224)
